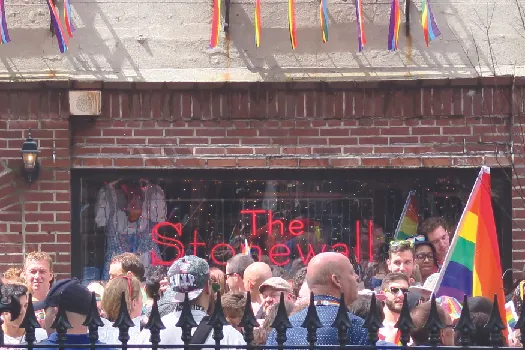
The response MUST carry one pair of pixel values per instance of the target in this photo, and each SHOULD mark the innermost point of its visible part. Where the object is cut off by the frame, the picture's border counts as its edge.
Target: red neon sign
(279, 254)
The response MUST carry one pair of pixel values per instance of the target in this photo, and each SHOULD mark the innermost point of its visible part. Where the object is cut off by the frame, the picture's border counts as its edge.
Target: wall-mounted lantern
(31, 167)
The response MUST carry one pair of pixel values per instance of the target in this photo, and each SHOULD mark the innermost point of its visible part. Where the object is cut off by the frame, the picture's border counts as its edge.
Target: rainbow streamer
(257, 23)
(246, 248)
(473, 266)
(323, 14)
(4, 35)
(57, 26)
(68, 19)
(291, 23)
(407, 226)
(395, 22)
(216, 23)
(361, 38)
(430, 29)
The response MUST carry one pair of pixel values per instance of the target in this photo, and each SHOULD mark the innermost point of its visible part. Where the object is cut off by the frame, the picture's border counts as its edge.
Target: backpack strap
(202, 332)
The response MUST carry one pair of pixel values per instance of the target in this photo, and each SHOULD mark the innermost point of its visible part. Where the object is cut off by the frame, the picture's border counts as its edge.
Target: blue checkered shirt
(326, 335)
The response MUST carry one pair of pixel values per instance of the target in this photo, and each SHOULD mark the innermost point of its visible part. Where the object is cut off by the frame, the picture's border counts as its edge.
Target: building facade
(333, 153)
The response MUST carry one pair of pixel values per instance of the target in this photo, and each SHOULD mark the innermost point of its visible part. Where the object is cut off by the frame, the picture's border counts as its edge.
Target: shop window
(283, 216)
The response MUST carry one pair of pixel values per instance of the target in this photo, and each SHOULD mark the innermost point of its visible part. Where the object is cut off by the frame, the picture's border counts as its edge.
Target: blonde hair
(13, 275)
(113, 291)
(37, 256)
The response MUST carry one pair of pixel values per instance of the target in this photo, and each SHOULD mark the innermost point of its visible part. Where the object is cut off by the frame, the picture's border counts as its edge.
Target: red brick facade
(459, 123)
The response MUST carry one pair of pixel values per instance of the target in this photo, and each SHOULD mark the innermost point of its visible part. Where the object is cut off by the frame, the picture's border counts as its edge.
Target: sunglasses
(395, 290)
(395, 244)
(418, 238)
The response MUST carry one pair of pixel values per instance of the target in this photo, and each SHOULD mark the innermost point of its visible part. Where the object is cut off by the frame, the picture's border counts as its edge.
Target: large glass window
(281, 216)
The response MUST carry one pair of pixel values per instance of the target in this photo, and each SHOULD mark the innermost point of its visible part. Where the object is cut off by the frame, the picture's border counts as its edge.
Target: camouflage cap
(188, 274)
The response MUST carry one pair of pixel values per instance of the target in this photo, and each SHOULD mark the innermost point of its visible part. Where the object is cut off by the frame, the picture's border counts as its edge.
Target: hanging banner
(430, 29)
(57, 26)
(4, 35)
(68, 18)
(291, 23)
(361, 38)
(395, 23)
(323, 14)
(215, 23)
(257, 23)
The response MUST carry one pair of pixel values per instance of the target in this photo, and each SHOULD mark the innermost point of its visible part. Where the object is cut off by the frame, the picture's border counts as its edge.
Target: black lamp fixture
(31, 167)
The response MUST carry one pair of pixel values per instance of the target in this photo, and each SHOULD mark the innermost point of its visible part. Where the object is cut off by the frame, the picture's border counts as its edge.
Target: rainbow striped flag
(4, 35)
(323, 15)
(361, 38)
(395, 23)
(215, 24)
(430, 29)
(472, 266)
(57, 26)
(510, 314)
(409, 221)
(257, 23)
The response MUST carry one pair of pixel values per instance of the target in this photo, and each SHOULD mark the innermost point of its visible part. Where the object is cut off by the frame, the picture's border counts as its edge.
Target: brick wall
(460, 123)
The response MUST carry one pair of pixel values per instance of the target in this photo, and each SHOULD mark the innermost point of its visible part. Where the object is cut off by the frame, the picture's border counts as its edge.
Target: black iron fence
(465, 327)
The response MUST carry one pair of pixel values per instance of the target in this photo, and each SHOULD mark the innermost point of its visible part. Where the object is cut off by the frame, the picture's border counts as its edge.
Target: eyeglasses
(395, 290)
(233, 274)
(423, 257)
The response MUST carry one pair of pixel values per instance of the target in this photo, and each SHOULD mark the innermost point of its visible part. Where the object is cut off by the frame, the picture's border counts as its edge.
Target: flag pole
(484, 169)
(403, 213)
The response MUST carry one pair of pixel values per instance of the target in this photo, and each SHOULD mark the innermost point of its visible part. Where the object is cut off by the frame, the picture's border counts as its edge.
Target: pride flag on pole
(409, 221)
(472, 266)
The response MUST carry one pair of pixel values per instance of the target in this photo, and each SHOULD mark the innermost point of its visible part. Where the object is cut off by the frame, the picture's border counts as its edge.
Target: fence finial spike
(495, 324)
(123, 321)
(61, 323)
(342, 321)
(154, 323)
(248, 320)
(281, 322)
(311, 322)
(93, 320)
(186, 321)
(465, 326)
(404, 323)
(218, 320)
(373, 322)
(434, 324)
(30, 323)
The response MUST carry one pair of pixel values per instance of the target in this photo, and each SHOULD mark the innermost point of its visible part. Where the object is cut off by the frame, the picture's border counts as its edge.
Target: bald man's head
(332, 274)
(255, 275)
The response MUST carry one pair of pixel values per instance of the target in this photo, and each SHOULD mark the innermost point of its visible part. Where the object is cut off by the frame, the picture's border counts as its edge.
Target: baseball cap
(69, 294)
(188, 274)
(428, 287)
(276, 283)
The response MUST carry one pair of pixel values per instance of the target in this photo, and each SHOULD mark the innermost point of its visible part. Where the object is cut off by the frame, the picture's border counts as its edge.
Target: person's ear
(387, 262)
(336, 281)
(207, 288)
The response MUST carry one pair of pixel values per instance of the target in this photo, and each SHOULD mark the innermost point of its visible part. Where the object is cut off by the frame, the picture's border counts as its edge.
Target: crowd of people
(410, 267)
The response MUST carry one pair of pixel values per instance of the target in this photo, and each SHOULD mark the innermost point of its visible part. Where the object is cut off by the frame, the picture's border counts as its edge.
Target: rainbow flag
(257, 23)
(472, 266)
(361, 38)
(57, 26)
(292, 26)
(407, 226)
(215, 24)
(4, 35)
(70, 27)
(430, 29)
(510, 314)
(246, 248)
(395, 23)
(323, 15)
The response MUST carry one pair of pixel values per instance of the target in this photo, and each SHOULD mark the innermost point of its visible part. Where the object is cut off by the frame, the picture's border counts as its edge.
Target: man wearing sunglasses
(394, 286)
(235, 268)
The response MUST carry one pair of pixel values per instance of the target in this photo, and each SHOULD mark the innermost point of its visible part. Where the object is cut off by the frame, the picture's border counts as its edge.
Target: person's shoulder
(232, 336)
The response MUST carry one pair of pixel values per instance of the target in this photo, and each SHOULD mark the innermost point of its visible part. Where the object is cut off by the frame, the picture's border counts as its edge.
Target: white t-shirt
(172, 334)
(40, 334)
(109, 334)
